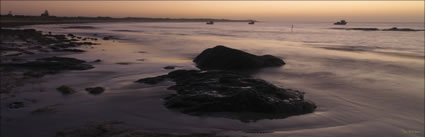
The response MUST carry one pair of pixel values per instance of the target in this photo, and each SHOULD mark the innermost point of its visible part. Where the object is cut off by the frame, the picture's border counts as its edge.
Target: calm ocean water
(365, 83)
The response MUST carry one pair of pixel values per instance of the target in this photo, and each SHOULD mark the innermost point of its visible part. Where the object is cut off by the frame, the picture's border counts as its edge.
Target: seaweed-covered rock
(206, 92)
(221, 57)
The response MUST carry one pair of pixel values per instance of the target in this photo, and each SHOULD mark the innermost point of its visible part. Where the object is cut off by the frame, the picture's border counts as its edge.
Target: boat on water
(251, 22)
(342, 22)
(210, 22)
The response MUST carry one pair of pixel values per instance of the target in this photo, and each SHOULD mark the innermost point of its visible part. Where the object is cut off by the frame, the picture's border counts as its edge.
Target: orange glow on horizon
(394, 11)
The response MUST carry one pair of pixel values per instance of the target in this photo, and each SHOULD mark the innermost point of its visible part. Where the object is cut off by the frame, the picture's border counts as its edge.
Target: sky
(291, 11)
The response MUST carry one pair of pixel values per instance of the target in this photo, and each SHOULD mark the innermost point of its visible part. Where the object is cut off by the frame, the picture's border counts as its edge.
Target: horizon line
(199, 18)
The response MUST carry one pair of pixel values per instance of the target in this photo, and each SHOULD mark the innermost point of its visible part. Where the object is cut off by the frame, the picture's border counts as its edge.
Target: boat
(210, 22)
(251, 22)
(342, 22)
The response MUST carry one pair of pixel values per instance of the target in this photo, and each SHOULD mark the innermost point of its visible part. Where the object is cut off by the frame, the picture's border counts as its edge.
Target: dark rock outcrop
(224, 58)
(208, 92)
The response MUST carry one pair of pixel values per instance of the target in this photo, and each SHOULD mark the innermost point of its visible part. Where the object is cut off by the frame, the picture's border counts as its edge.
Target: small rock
(170, 67)
(15, 105)
(71, 35)
(66, 90)
(97, 60)
(95, 90)
(107, 38)
(123, 63)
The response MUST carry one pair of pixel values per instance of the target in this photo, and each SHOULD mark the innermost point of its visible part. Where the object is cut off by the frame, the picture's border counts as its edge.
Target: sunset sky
(320, 11)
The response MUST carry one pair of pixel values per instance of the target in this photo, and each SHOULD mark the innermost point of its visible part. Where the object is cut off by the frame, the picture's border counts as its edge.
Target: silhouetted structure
(210, 22)
(45, 14)
(342, 22)
(251, 22)
(10, 13)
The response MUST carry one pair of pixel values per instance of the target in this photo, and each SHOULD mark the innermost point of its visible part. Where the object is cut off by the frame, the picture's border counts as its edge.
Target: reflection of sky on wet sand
(359, 93)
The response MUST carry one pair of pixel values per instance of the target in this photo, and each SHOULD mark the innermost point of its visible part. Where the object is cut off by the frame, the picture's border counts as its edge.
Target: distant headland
(10, 20)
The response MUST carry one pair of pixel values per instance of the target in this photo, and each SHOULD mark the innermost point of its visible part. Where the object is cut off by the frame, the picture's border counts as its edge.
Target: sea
(365, 83)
